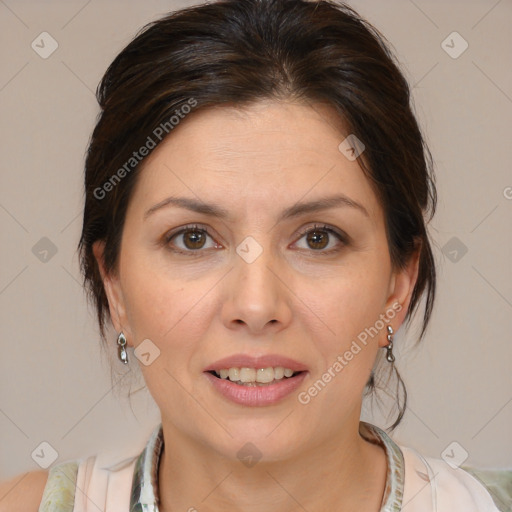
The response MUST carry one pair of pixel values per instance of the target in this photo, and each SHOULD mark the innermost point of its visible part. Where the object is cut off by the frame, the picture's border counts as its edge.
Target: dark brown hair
(238, 52)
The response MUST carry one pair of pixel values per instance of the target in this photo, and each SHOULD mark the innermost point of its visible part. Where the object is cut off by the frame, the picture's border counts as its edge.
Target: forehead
(271, 152)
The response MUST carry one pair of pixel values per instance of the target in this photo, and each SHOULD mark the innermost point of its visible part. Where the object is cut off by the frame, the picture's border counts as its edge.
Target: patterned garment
(59, 493)
(144, 495)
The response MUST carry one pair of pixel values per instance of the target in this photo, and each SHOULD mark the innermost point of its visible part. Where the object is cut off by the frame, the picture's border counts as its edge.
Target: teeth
(265, 375)
(251, 375)
(247, 374)
(278, 373)
(234, 374)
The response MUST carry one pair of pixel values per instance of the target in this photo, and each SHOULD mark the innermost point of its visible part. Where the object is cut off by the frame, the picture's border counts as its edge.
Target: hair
(239, 52)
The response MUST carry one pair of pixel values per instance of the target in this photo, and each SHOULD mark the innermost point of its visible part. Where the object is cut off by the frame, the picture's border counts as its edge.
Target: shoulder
(451, 488)
(41, 491)
(498, 482)
(23, 493)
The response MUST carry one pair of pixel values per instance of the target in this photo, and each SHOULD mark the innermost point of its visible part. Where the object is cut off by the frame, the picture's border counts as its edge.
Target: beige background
(54, 383)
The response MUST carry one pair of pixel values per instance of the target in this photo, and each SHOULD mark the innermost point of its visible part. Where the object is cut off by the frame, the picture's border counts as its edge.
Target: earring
(389, 354)
(121, 349)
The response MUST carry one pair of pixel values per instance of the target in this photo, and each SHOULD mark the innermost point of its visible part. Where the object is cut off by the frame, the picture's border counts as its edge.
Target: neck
(346, 474)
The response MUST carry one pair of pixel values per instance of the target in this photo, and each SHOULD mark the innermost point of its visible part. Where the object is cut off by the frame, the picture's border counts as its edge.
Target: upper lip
(247, 361)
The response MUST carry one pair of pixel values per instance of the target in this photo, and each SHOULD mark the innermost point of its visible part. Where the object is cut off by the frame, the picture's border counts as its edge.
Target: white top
(105, 483)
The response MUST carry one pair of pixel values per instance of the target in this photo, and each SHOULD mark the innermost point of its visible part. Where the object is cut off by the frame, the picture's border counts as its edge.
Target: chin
(260, 439)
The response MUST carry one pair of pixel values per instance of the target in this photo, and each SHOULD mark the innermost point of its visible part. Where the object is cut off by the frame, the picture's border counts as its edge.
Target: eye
(323, 237)
(190, 239)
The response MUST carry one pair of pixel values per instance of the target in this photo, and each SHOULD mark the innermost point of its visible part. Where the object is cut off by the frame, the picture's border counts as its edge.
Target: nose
(257, 298)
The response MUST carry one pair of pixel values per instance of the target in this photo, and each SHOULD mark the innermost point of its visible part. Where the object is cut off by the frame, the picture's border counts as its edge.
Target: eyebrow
(295, 210)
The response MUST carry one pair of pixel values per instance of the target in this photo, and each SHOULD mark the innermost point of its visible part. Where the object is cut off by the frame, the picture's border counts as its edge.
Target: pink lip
(256, 395)
(266, 361)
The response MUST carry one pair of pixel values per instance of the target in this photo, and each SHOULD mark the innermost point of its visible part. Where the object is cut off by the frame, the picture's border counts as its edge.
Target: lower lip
(256, 395)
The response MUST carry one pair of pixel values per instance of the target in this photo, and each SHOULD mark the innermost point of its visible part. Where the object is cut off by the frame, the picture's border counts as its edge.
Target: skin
(296, 299)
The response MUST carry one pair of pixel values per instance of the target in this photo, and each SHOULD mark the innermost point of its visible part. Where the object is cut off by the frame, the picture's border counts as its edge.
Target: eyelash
(317, 227)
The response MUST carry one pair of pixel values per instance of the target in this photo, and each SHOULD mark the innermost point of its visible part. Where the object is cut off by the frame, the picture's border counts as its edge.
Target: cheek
(172, 311)
(356, 297)
(156, 304)
(350, 301)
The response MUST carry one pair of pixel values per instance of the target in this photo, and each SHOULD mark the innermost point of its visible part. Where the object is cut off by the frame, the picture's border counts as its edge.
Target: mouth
(255, 381)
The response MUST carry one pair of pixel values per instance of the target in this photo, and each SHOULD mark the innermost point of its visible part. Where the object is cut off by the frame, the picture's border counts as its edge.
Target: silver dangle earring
(121, 349)
(389, 354)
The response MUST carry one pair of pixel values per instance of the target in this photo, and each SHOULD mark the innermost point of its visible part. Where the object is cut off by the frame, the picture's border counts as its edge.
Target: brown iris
(318, 239)
(195, 237)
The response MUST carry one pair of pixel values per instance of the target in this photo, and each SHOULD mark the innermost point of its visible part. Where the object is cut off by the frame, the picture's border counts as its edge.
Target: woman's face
(247, 281)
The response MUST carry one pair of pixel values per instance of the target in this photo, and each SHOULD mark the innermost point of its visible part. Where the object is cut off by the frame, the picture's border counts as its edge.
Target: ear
(114, 293)
(400, 291)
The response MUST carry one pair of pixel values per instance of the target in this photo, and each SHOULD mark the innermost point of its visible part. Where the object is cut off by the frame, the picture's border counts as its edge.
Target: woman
(257, 192)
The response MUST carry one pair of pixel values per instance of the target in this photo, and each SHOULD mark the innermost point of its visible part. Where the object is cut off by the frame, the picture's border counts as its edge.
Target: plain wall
(55, 384)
